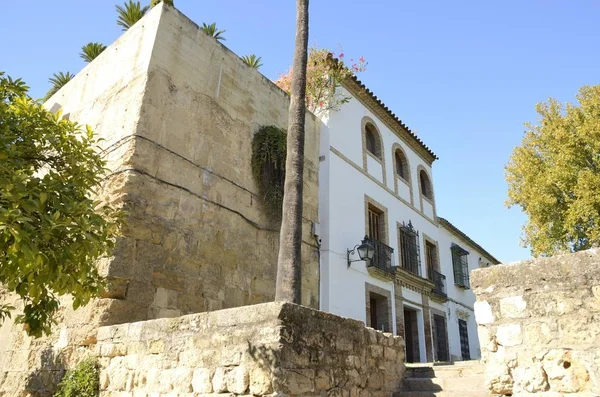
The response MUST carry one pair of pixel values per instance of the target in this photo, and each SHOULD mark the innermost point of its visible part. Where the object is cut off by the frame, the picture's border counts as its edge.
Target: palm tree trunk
(290, 238)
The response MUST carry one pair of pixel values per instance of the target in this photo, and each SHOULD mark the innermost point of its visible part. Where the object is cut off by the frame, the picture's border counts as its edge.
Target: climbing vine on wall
(268, 167)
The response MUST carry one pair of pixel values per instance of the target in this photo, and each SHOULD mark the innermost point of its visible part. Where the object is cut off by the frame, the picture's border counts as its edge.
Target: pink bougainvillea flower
(341, 55)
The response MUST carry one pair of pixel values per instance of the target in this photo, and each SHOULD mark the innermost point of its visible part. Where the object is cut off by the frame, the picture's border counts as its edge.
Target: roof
(358, 88)
(445, 223)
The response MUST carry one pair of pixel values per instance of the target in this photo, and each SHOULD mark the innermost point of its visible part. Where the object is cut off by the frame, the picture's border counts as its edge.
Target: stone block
(513, 307)
(483, 312)
(509, 335)
(299, 381)
(260, 382)
(219, 380)
(202, 380)
(238, 380)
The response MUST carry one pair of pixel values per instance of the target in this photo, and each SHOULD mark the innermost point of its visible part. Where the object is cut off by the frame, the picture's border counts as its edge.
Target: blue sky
(464, 75)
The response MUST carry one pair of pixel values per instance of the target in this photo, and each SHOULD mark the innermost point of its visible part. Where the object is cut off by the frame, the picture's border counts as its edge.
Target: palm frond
(130, 13)
(90, 51)
(58, 80)
(252, 60)
(167, 2)
(213, 31)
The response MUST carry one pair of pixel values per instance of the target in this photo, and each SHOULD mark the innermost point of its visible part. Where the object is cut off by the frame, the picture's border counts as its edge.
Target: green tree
(213, 31)
(554, 176)
(130, 13)
(167, 2)
(58, 80)
(90, 51)
(52, 230)
(287, 286)
(81, 381)
(252, 60)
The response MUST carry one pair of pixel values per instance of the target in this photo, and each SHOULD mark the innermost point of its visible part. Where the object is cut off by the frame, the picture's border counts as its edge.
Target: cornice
(374, 104)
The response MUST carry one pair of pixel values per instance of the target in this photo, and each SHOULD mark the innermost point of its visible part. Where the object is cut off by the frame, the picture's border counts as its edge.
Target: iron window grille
(409, 249)
(460, 263)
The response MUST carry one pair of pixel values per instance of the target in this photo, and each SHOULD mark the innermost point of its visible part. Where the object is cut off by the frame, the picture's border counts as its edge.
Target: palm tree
(287, 287)
(90, 51)
(252, 60)
(130, 14)
(167, 2)
(213, 31)
(58, 80)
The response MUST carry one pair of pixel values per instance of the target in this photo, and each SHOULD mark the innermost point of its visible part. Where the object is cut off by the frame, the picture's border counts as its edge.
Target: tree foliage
(554, 176)
(324, 75)
(51, 229)
(268, 167)
(90, 51)
(81, 381)
(252, 60)
(167, 2)
(58, 80)
(130, 13)
(213, 31)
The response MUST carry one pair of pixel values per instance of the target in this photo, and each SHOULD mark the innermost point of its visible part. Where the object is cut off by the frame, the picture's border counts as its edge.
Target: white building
(375, 183)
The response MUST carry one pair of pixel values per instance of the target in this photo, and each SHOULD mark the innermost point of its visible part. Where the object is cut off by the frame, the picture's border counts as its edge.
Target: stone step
(442, 394)
(464, 369)
(464, 383)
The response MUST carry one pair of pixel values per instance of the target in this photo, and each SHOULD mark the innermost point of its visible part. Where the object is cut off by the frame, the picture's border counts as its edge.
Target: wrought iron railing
(440, 282)
(409, 249)
(383, 257)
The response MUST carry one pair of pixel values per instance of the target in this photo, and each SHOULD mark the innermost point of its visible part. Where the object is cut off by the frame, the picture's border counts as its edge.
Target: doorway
(411, 335)
(464, 340)
(440, 337)
(379, 313)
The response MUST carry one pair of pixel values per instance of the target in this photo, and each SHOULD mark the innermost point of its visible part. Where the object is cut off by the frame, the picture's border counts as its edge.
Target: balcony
(440, 283)
(383, 257)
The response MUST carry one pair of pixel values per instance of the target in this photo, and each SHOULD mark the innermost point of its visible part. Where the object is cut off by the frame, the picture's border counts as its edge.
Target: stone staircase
(461, 379)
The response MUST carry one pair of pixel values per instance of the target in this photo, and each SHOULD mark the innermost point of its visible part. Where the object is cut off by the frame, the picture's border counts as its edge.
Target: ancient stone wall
(539, 325)
(255, 350)
(177, 111)
(107, 94)
(198, 237)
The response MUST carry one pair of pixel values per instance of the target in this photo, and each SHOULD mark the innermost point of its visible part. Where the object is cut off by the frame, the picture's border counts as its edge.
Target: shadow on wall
(266, 357)
(44, 381)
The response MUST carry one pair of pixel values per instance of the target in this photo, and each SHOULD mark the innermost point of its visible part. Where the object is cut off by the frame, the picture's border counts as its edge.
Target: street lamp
(365, 251)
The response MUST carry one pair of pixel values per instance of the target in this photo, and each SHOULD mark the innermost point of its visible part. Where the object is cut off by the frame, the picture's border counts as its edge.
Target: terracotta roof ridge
(396, 119)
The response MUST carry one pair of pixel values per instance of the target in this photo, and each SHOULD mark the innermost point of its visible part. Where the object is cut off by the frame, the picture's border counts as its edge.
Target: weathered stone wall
(107, 94)
(256, 350)
(198, 237)
(177, 111)
(539, 325)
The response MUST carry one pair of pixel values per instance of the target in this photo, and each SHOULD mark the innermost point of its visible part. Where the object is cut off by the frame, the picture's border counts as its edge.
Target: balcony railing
(383, 258)
(440, 282)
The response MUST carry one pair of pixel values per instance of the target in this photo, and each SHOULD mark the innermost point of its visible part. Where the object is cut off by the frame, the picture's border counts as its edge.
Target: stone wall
(539, 325)
(198, 237)
(256, 350)
(107, 94)
(177, 111)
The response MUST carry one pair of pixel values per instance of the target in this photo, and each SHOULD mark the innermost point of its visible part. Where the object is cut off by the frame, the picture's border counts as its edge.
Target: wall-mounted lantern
(365, 251)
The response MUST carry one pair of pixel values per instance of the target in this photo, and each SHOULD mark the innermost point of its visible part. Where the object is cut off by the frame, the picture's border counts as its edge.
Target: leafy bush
(268, 167)
(81, 381)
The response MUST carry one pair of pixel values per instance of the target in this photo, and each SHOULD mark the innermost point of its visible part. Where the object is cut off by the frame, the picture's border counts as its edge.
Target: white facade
(353, 180)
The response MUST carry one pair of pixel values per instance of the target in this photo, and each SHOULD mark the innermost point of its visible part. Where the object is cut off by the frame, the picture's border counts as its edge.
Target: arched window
(372, 141)
(401, 164)
(426, 189)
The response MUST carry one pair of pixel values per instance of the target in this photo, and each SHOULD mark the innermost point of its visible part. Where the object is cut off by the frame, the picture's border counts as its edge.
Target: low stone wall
(539, 325)
(257, 350)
